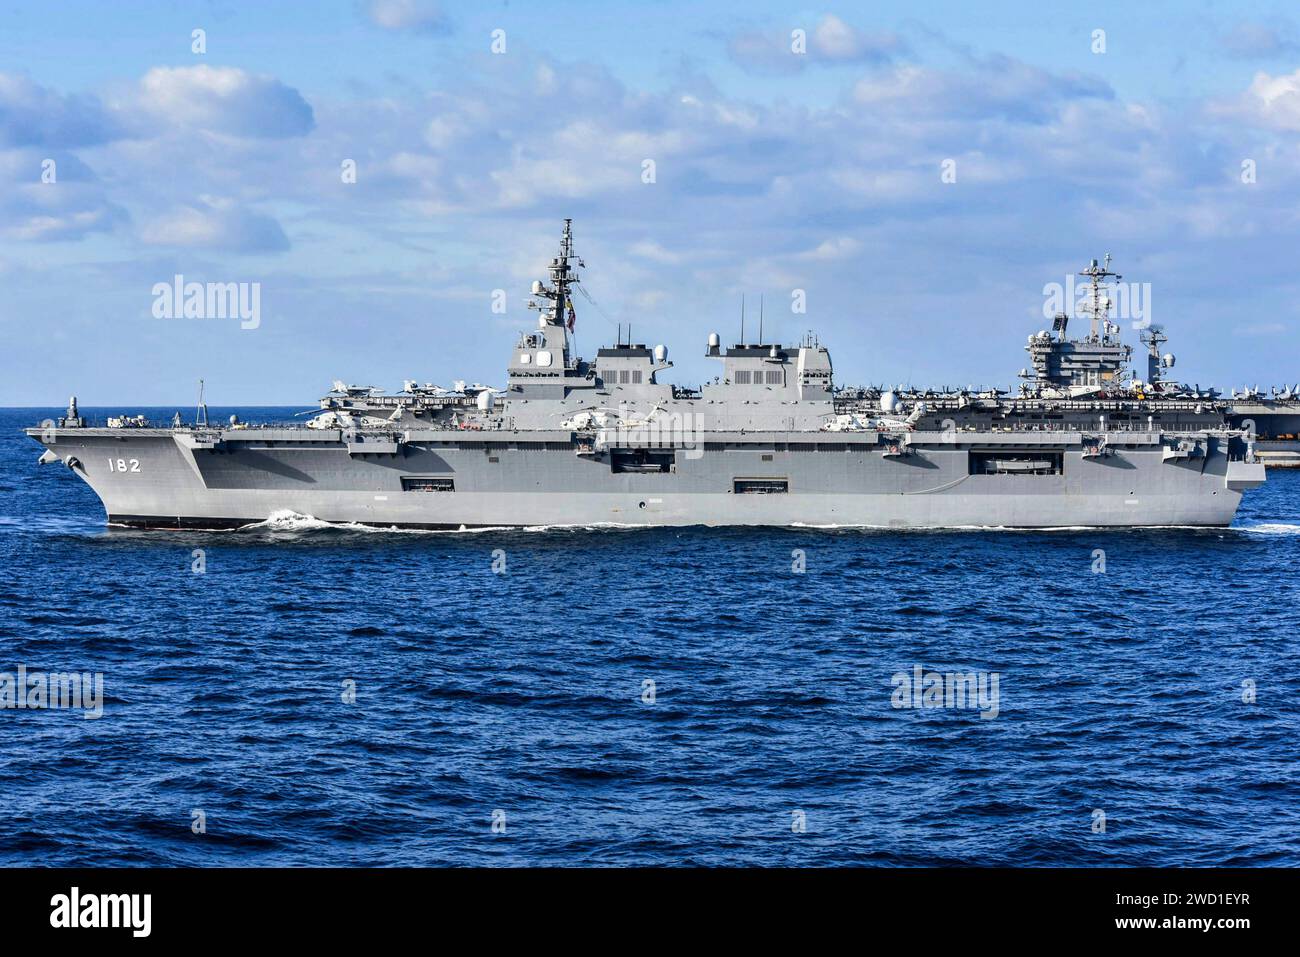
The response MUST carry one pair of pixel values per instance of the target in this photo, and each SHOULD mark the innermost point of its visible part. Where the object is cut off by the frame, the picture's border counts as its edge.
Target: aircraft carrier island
(771, 441)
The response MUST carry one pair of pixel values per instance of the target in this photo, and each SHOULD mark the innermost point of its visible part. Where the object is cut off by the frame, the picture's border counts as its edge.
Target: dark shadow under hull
(175, 522)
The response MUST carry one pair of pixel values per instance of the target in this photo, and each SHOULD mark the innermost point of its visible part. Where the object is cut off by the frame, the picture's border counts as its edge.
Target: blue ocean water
(521, 698)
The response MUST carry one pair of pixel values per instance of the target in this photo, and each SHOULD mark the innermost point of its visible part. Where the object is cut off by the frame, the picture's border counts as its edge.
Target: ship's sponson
(440, 478)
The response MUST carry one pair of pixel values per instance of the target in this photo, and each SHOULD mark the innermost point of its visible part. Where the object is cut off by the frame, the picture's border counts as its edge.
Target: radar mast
(557, 307)
(1153, 337)
(1098, 304)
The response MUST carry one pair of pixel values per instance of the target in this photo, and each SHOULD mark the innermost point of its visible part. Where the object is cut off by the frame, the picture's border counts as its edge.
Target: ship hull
(156, 478)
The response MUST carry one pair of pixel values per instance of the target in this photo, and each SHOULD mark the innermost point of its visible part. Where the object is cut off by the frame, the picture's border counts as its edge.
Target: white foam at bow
(1273, 528)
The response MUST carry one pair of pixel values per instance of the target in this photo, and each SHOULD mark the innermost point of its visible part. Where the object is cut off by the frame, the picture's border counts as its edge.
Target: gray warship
(771, 441)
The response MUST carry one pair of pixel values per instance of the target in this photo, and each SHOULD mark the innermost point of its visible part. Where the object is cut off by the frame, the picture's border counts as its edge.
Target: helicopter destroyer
(771, 441)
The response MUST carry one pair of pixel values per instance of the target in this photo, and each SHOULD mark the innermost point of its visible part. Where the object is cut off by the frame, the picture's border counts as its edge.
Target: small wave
(287, 520)
(1272, 528)
(586, 527)
(833, 526)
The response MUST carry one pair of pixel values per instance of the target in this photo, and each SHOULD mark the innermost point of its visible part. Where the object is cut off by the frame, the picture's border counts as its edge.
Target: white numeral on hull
(124, 465)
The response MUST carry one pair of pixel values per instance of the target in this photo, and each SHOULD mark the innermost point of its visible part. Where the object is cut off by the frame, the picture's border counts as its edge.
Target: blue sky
(773, 172)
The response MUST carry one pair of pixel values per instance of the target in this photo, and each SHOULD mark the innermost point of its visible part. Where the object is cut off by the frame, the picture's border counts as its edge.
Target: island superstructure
(771, 441)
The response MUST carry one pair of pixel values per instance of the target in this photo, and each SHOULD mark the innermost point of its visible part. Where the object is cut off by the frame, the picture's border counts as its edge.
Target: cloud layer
(223, 100)
(831, 41)
(927, 198)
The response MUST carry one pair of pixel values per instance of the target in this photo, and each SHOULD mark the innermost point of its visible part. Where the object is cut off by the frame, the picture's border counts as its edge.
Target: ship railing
(1090, 427)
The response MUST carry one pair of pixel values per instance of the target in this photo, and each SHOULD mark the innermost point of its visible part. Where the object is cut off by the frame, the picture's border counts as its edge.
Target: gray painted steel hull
(156, 478)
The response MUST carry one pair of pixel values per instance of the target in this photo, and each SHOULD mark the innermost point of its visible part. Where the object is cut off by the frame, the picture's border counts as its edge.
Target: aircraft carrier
(770, 441)
(1273, 419)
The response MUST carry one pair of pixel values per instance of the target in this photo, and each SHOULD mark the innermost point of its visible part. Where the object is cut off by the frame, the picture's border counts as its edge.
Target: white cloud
(69, 219)
(70, 208)
(830, 41)
(833, 39)
(1271, 101)
(33, 115)
(224, 100)
(996, 86)
(416, 16)
(655, 252)
(841, 247)
(585, 158)
(215, 224)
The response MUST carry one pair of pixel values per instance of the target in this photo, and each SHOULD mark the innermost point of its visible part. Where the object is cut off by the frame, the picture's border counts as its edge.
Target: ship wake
(1272, 528)
(287, 520)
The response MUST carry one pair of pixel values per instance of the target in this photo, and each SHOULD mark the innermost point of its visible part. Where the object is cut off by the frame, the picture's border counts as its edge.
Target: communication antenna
(760, 318)
(1098, 305)
(742, 318)
(201, 410)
